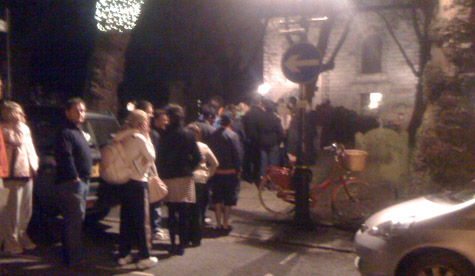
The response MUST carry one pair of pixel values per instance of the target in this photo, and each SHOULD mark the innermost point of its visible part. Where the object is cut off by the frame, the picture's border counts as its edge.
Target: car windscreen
(103, 128)
(455, 197)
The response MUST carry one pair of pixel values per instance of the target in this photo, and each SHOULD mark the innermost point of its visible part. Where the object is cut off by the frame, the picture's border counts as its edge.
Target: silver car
(432, 235)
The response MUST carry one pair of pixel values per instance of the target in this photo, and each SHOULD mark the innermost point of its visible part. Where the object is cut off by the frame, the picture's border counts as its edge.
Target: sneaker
(207, 220)
(125, 260)
(147, 263)
(26, 242)
(12, 247)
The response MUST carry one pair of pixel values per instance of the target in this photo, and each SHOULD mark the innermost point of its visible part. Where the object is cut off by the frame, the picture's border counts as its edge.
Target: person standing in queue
(155, 208)
(178, 156)
(224, 143)
(134, 215)
(23, 162)
(73, 172)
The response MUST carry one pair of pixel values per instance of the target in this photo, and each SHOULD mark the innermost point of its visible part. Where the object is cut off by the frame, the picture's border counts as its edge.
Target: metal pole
(9, 71)
(302, 176)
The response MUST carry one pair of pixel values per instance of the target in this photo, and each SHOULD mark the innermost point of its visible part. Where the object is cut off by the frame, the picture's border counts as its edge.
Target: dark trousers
(251, 162)
(178, 213)
(72, 202)
(134, 219)
(197, 213)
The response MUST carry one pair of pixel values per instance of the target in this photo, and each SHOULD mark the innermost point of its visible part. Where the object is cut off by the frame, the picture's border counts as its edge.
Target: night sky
(52, 41)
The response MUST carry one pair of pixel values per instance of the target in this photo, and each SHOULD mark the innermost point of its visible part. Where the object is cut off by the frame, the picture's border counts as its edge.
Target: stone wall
(344, 85)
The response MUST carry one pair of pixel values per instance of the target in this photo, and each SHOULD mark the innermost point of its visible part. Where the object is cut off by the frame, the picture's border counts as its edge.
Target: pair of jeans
(269, 157)
(72, 200)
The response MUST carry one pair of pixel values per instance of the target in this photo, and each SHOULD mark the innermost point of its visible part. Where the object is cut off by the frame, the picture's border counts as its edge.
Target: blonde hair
(12, 112)
(135, 118)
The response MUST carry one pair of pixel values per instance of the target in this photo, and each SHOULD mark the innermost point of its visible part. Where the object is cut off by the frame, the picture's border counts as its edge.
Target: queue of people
(201, 164)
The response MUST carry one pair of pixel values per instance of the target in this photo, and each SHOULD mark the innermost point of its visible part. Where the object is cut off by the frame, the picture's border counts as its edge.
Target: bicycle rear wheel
(274, 198)
(351, 201)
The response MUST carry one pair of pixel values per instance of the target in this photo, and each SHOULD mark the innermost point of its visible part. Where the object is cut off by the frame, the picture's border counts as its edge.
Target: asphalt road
(260, 244)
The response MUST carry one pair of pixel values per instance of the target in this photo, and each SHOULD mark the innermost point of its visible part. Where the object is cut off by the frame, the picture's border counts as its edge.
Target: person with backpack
(133, 195)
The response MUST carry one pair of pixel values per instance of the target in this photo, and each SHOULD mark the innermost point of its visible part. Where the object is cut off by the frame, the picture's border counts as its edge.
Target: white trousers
(16, 215)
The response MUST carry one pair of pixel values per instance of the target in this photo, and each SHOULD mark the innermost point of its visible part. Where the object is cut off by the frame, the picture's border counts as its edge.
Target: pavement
(250, 220)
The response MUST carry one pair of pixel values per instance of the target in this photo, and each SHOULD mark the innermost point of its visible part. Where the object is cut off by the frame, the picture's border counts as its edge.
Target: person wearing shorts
(225, 144)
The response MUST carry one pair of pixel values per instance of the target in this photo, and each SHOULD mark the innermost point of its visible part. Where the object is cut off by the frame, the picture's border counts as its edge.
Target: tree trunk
(107, 70)
(445, 142)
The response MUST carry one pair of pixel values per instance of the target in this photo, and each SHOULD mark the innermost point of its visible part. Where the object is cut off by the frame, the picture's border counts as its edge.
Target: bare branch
(401, 49)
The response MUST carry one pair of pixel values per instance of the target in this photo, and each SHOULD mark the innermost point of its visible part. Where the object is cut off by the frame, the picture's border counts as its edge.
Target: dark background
(214, 48)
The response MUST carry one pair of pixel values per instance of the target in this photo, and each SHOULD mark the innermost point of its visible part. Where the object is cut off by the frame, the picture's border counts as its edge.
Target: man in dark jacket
(225, 183)
(270, 134)
(73, 171)
(205, 122)
(251, 163)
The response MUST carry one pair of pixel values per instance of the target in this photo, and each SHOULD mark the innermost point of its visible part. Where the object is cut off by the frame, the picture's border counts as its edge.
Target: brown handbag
(157, 190)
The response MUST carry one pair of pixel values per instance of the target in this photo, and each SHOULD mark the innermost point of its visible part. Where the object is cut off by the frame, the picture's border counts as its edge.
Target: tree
(445, 143)
(115, 19)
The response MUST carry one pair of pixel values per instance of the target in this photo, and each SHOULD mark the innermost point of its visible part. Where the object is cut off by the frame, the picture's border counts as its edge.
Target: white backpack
(115, 166)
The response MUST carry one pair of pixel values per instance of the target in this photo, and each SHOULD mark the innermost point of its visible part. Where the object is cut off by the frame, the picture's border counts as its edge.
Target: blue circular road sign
(301, 63)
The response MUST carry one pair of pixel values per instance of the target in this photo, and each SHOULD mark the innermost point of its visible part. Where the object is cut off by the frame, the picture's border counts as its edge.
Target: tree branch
(401, 49)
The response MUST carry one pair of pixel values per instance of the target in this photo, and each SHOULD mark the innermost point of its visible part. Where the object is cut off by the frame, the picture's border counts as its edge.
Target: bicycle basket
(355, 160)
(280, 176)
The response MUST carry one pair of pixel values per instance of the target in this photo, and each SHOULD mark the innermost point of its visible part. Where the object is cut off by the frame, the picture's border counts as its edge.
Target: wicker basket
(355, 160)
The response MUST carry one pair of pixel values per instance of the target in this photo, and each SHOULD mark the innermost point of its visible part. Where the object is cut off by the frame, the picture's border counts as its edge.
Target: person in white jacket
(206, 169)
(23, 162)
(134, 217)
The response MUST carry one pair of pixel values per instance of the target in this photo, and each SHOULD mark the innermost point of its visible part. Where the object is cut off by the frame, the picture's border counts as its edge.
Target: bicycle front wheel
(274, 198)
(351, 201)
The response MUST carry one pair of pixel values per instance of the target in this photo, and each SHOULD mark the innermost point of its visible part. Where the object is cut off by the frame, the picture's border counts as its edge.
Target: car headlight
(392, 228)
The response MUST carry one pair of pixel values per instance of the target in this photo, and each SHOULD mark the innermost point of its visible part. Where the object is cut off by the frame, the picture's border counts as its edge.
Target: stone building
(368, 66)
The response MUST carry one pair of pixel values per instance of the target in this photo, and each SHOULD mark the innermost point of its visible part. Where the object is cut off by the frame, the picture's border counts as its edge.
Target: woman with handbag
(177, 158)
(133, 195)
(23, 164)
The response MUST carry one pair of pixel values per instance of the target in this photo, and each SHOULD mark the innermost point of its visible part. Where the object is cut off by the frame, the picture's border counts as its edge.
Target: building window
(372, 55)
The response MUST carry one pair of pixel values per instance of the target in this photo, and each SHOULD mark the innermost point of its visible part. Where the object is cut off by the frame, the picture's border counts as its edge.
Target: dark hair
(175, 114)
(226, 119)
(72, 102)
(159, 112)
(208, 111)
(143, 105)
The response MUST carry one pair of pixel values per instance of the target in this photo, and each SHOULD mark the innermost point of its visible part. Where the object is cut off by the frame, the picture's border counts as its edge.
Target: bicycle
(350, 198)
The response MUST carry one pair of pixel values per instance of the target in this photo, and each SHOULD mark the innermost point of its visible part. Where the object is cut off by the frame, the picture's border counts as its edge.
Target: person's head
(145, 106)
(160, 119)
(195, 130)
(226, 119)
(176, 114)
(12, 112)
(76, 111)
(138, 119)
(242, 108)
(209, 113)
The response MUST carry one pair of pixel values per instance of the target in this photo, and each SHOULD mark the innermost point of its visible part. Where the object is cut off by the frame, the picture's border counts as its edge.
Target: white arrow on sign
(293, 63)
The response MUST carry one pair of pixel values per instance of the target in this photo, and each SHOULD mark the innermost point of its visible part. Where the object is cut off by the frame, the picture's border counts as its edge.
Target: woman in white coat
(134, 216)
(23, 163)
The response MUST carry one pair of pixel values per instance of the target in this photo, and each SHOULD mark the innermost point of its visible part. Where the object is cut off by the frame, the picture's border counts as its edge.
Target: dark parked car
(45, 122)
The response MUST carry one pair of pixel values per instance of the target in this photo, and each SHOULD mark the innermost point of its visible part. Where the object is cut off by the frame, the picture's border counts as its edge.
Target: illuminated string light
(118, 15)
